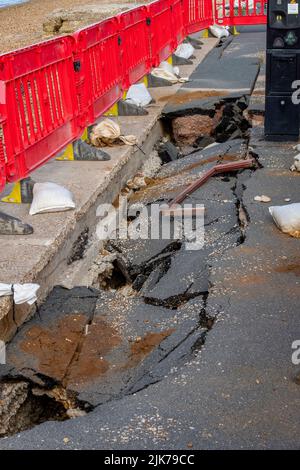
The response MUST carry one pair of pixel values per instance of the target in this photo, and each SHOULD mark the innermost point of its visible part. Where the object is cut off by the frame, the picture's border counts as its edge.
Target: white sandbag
(22, 292)
(287, 218)
(219, 31)
(184, 50)
(168, 72)
(138, 95)
(50, 197)
(108, 132)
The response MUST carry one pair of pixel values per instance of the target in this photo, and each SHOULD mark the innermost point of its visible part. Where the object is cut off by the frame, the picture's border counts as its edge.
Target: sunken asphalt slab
(241, 390)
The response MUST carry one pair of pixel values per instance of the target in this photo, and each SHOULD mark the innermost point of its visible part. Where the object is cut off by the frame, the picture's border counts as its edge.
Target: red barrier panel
(177, 21)
(37, 104)
(135, 48)
(240, 12)
(198, 14)
(161, 34)
(99, 74)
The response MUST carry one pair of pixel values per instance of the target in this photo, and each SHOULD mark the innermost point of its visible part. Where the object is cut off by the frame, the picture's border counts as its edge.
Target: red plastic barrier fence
(37, 105)
(198, 14)
(97, 69)
(162, 41)
(135, 47)
(240, 12)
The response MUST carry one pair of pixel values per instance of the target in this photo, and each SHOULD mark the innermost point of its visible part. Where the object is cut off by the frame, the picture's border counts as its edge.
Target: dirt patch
(90, 363)
(158, 188)
(187, 129)
(72, 352)
(258, 93)
(293, 268)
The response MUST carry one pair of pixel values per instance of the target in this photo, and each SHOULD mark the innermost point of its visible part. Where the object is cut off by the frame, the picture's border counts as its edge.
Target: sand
(22, 25)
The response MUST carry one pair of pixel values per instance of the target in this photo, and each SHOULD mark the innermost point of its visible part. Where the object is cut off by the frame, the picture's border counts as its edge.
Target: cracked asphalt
(238, 387)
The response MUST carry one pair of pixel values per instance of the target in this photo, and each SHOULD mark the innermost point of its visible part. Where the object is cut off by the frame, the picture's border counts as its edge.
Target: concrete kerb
(43, 256)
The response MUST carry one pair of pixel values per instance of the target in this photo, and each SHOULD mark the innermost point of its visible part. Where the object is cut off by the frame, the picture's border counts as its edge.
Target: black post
(282, 69)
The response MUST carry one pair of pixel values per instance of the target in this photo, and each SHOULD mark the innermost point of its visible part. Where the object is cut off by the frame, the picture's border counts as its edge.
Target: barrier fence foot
(82, 151)
(154, 82)
(12, 226)
(234, 31)
(130, 109)
(180, 60)
(21, 192)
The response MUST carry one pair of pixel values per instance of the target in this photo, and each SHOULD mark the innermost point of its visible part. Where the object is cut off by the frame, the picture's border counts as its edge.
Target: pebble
(262, 198)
